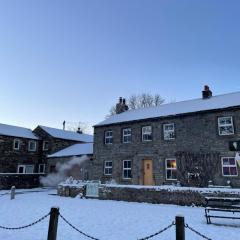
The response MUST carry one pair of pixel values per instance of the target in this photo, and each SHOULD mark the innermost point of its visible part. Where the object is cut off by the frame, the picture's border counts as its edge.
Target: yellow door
(147, 172)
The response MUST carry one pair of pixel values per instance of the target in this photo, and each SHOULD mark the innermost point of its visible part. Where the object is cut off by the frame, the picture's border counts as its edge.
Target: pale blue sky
(71, 60)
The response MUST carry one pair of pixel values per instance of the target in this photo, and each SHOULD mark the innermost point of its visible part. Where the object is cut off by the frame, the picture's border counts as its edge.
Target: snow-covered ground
(107, 220)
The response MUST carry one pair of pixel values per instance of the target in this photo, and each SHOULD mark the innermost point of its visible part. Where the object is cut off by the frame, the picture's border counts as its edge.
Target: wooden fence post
(12, 192)
(180, 228)
(53, 224)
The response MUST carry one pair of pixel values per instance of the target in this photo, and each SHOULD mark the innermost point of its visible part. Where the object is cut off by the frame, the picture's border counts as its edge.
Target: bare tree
(76, 126)
(140, 101)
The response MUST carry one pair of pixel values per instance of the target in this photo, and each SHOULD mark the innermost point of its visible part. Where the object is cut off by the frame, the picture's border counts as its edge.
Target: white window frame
(29, 144)
(44, 168)
(229, 165)
(107, 168)
(127, 169)
(14, 141)
(167, 168)
(147, 133)
(24, 168)
(108, 137)
(167, 132)
(44, 146)
(127, 135)
(225, 125)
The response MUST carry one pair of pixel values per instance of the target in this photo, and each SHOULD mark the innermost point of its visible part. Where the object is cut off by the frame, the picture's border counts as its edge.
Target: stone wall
(179, 196)
(10, 158)
(196, 135)
(19, 180)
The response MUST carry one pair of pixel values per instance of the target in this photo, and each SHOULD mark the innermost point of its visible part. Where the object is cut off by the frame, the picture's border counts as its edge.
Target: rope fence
(55, 214)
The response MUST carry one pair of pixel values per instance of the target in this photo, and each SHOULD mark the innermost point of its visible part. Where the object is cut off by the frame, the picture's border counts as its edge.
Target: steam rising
(62, 171)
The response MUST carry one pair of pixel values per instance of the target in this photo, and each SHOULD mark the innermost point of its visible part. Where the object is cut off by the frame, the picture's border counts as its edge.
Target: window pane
(169, 175)
(171, 163)
(226, 171)
(29, 169)
(232, 161)
(174, 174)
(225, 161)
(233, 171)
(20, 169)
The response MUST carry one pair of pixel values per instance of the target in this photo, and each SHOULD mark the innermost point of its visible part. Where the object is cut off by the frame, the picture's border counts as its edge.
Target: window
(127, 135)
(108, 168)
(127, 169)
(25, 169)
(225, 126)
(171, 169)
(168, 131)
(16, 144)
(41, 168)
(45, 145)
(32, 146)
(229, 167)
(108, 137)
(147, 133)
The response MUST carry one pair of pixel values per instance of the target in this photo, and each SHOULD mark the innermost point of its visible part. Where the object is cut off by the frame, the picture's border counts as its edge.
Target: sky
(72, 60)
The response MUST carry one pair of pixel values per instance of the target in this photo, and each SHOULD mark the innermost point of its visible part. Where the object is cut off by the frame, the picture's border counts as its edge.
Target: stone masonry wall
(196, 135)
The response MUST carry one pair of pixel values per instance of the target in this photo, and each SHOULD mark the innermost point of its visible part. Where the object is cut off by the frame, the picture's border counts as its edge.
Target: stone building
(19, 155)
(185, 141)
(24, 153)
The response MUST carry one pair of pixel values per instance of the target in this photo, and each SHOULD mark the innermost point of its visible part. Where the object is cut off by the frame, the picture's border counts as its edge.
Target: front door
(147, 172)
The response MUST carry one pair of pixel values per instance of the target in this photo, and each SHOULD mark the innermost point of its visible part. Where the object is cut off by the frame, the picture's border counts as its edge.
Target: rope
(76, 229)
(159, 232)
(198, 233)
(26, 226)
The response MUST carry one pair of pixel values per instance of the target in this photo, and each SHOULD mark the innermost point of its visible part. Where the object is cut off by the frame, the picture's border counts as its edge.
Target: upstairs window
(127, 135)
(127, 169)
(108, 137)
(229, 167)
(32, 146)
(168, 131)
(225, 126)
(147, 133)
(45, 145)
(16, 144)
(108, 168)
(171, 169)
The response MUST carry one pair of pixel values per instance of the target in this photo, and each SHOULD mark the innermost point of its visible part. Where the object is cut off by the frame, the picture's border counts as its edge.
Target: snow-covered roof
(74, 150)
(14, 131)
(171, 109)
(69, 135)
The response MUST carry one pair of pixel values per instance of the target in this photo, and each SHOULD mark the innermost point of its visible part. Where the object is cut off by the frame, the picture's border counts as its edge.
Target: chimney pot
(206, 93)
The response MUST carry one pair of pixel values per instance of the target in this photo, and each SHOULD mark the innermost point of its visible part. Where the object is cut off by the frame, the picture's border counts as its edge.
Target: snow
(14, 131)
(107, 220)
(171, 109)
(69, 135)
(74, 150)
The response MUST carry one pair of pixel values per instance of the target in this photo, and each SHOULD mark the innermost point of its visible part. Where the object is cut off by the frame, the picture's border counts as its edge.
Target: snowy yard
(104, 219)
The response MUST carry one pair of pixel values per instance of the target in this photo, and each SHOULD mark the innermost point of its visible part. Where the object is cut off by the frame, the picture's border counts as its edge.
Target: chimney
(121, 106)
(206, 93)
(79, 130)
(64, 123)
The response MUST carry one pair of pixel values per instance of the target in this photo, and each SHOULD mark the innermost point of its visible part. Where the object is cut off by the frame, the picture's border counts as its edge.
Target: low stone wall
(19, 180)
(179, 196)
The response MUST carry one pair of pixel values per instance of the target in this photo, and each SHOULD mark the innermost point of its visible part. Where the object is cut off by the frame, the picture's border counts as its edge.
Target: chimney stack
(206, 93)
(64, 123)
(121, 106)
(79, 130)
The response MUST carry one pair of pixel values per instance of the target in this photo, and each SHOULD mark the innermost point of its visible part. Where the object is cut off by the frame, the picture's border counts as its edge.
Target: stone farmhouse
(24, 153)
(183, 142)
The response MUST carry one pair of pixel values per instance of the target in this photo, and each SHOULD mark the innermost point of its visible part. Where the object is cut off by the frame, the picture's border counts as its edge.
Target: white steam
(63, 171)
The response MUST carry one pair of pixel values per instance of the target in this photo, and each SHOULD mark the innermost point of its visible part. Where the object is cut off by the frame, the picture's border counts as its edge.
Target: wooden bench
(222, 204)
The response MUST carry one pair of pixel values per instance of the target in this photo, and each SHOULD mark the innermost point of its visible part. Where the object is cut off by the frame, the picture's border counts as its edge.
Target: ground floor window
(25, 169)
(171, 169)
(229, 166)
(41, 168)
(108, 168)
(127, 169)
